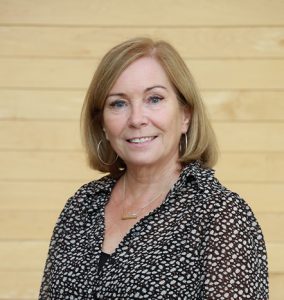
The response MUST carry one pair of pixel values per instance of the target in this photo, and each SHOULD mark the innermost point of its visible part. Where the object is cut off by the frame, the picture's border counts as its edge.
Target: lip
(141, 140)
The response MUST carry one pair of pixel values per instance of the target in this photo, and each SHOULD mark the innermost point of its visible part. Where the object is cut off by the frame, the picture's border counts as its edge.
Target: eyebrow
(146, 90)
(155, 86)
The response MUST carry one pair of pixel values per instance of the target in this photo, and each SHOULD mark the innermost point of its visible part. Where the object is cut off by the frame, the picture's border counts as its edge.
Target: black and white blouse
(202, 242)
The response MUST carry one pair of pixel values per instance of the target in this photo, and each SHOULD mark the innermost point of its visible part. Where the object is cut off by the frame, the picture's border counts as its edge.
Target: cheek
(113, 126)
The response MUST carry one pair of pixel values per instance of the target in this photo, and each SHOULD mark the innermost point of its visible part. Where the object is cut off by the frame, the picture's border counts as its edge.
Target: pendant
(130, 216)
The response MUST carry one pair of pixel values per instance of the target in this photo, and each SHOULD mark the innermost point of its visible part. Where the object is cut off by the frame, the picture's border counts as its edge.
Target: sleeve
(235, 260)
(55, 252)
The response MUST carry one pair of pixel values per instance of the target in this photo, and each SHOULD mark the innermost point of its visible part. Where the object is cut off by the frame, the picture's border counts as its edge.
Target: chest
(160, 257)
(161, 253)
(117, 226)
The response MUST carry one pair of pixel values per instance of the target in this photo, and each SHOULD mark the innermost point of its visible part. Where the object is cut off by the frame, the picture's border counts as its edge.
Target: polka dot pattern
(203, 242)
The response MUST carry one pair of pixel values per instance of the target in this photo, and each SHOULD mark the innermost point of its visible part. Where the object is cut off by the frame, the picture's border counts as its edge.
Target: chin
(140, 162)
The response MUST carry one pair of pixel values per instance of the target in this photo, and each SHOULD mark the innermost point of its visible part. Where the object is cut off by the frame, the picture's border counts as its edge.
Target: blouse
(203, 242)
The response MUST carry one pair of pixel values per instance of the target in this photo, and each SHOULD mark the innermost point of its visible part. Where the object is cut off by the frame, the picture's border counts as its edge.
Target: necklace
(134, 215)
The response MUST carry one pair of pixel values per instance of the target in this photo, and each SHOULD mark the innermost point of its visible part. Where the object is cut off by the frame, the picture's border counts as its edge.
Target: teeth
(140, 140)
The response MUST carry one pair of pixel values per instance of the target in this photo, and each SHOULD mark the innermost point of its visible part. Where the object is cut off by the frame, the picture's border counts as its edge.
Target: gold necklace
(134, 215)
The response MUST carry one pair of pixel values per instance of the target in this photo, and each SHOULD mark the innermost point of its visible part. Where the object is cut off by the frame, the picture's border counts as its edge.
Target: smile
(141, 140)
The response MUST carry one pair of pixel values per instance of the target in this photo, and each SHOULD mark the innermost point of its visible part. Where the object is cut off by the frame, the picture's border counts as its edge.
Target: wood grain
(36, 195)
(20, 285)
(244, 105)
(142, 13)
(48, 53)
(40, 135)
(249, 137)
(27, 225)
(251, 167)
(209, 73)
(47, 166)
(87, 42)
(26, 255)
(262, 197)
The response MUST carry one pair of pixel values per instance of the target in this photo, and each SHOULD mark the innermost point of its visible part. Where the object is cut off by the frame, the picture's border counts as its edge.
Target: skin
(143, 121)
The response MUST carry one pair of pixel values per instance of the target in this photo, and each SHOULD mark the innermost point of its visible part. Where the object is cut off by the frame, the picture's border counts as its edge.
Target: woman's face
(142, 117)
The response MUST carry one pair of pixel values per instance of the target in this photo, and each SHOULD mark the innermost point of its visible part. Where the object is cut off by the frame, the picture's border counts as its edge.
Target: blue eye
(118, 104)
(155, 99)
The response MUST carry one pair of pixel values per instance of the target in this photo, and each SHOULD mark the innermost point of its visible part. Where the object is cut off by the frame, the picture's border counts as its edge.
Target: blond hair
(201, 144)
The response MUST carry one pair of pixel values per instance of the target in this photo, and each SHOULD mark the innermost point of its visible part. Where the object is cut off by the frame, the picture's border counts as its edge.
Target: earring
(183, 146)
(99, 156)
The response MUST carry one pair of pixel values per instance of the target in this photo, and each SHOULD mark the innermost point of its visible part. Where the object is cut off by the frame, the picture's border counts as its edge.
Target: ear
(186, 118)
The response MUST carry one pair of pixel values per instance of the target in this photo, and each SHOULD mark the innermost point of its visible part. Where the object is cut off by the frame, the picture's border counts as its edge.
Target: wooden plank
(69, 165)
(209, 73)
(31, 256)
(251, 167)
(41, 104)
(143, 13)
(271, 224)
(23, 255)
(27, 224)
(275, 254)
(276, 287)
(58, 135)
(25, 285)
(246, 136)
(18, 195)
(34, 195)
(20, 285)
(38, 225)
(202, 42)
(262, 197)
(238, 74)
(244, 105)
(222, 105)
(40, 135)
(46, 73)
(51, 166)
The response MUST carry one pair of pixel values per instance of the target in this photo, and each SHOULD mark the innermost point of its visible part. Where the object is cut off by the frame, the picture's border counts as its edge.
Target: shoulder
(224, 200)
(216, 203)
(229, 214)
(104, 184)
(90, 196)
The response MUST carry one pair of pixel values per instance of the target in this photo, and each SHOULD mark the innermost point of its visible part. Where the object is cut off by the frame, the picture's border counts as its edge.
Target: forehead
(143, 72)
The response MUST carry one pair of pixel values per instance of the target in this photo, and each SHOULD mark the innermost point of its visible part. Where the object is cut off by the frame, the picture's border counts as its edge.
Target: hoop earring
(182, 148)
(99, 156)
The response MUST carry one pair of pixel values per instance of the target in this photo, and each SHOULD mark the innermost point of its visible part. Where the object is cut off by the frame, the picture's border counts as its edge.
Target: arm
(56, 249)
(235, 262)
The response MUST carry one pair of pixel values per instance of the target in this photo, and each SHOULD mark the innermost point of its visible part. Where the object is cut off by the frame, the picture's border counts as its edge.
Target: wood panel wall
(48, 52)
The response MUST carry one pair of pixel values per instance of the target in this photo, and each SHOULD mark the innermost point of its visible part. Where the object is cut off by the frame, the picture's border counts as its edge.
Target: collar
(195, 173)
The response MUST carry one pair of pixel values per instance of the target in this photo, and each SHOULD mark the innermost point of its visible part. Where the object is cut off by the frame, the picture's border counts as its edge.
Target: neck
(145, 182)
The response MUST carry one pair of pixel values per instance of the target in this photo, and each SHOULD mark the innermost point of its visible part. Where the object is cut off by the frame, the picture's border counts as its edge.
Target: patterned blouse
(202, 242)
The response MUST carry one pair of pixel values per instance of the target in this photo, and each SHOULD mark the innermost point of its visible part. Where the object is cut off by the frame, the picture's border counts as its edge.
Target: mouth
(141, 140)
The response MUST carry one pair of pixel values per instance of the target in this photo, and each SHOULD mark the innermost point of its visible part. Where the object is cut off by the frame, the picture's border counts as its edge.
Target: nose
(137, 117)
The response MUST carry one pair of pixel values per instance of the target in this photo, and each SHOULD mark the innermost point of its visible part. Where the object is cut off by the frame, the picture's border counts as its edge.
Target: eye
(118, 104)
(155, 99)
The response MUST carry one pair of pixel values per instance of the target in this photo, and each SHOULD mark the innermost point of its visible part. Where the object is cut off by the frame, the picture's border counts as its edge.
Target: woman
(160, 225)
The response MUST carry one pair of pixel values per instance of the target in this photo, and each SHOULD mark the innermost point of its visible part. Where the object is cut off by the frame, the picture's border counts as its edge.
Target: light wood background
(48, 52)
